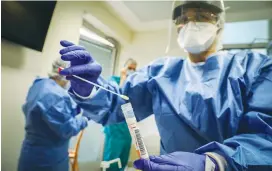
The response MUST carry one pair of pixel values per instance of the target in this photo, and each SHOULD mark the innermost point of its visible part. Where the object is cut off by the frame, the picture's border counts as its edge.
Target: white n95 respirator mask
(197, 37)
(130, 71)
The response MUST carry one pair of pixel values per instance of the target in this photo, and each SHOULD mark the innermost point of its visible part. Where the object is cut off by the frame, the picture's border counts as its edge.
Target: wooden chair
(73, 153)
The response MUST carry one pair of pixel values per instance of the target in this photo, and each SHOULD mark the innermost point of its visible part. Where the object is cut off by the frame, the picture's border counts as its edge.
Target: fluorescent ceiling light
(87, 33)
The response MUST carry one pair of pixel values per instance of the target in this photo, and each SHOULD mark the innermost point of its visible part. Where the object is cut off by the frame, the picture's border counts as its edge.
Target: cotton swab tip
(125, 97)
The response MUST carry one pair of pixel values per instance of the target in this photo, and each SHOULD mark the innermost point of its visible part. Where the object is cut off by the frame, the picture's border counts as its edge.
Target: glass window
(100, 49)
(246, 32)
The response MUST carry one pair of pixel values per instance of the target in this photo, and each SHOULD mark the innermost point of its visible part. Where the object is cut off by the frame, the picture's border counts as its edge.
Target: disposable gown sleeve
(105, 107)
(251, 149)
(63, 118)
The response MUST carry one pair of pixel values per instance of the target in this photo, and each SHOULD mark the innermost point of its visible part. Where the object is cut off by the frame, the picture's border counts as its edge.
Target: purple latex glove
(78, 109)
(82, 64)
(177, 161)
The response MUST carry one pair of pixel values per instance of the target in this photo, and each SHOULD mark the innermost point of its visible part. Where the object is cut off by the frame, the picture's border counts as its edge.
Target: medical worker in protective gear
(51, 120)
(129, 68)
(117, 138)
(213, 109)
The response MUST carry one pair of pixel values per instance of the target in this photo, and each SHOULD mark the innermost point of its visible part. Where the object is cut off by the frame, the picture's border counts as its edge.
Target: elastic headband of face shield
(214, 8)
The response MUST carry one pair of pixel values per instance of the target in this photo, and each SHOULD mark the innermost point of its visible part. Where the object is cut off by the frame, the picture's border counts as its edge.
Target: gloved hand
(82, 65)
(177, 161)
(78, 109)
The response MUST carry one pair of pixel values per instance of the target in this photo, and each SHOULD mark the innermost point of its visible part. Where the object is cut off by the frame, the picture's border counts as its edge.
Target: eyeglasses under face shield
(196, 15)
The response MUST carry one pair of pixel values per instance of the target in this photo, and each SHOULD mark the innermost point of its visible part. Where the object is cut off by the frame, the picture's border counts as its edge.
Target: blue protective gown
(223, 105)
(51, 120)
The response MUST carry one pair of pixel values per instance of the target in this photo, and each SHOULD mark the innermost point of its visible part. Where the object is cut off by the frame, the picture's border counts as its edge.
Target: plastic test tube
(134, 131)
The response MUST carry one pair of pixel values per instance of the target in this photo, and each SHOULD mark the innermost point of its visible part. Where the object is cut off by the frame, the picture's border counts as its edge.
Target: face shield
(197, 25)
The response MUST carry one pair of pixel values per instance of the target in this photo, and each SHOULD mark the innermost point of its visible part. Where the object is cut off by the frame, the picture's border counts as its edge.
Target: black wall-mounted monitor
(26, 22)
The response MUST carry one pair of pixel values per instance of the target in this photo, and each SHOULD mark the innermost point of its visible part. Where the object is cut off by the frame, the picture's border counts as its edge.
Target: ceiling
(155, 15)
(147, 11)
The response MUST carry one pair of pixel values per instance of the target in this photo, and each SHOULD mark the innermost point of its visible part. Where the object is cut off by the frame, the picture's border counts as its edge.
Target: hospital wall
(150, 45)
(20, 66)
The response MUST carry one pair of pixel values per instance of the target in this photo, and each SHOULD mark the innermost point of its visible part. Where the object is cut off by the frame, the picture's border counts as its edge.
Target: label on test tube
(134, 131)
(138, 141)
